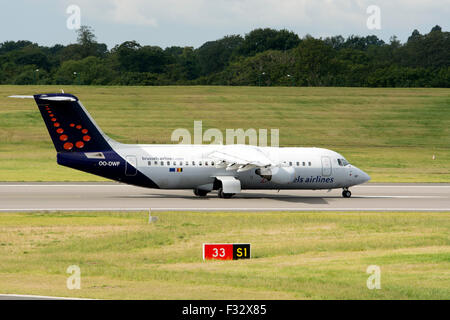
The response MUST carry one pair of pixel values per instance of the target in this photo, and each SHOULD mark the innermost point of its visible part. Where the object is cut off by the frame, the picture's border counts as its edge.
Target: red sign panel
(226, 251)
(217, 251)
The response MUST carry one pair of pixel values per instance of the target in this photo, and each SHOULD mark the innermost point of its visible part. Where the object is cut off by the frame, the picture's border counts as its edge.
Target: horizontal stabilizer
(58, 98)
(22, 97)
(47, 98)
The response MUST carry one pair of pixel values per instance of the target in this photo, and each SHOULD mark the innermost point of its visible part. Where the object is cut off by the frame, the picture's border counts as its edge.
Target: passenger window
(149, 163)
(298, 164)
(212, 163)
(156, 163)
(162, 163)
(168, 163)
(206, 163)
(303, 163)
(186, 163)
(193, 163)
(199, 163)
(309, 164)
(290, 163)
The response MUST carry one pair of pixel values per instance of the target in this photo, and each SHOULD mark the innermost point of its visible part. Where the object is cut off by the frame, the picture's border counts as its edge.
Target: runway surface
(114, 196)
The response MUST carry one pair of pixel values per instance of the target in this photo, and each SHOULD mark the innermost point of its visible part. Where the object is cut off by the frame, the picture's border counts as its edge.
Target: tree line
(263, 57)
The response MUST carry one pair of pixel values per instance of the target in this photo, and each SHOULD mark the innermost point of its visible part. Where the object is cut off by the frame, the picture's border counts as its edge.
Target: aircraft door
(326, 167)
(131, 166)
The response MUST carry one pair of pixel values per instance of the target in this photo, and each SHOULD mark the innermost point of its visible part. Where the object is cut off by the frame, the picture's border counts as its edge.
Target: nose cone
(362, 176)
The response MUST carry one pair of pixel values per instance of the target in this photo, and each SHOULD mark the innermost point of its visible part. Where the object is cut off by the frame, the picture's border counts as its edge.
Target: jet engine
(278, 175)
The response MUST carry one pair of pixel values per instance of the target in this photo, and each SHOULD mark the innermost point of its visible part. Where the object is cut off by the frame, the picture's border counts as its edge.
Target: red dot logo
(84, 131)
(78, 126)
(87, 138)
(68, 146)
(79, 144)
(53, 119)
(63, 137)
(56, 124)
(72, 125)
(60, 130)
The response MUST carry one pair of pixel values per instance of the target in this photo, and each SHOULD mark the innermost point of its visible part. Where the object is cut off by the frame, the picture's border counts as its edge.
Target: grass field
(295, 255)
(390, 133)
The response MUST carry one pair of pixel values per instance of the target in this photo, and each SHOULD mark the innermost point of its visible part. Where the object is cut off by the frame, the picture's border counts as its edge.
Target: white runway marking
(224, 209)
(33, 297)
(398, 197)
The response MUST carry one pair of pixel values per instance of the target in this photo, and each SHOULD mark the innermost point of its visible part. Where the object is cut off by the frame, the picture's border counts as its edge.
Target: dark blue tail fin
(69, 124)
(81, 144)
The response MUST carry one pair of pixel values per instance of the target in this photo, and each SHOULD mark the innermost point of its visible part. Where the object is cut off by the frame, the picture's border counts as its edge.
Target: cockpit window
(342, 162)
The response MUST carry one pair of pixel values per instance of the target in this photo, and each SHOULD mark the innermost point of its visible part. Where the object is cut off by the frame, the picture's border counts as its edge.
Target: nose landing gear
(346, 193)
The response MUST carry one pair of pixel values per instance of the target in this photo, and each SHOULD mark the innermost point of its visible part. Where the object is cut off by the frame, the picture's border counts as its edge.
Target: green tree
(88, 46)
(31, 55)
(152, 59)
(314, 62)
(127, 56)
(260, 40)
(88, 71)
(263, 57)
(214, 56)
(8, 46)
(132, 57)
(189, 64)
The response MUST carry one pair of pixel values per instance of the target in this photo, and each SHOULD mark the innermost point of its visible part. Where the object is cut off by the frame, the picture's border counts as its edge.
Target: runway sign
(226, 251)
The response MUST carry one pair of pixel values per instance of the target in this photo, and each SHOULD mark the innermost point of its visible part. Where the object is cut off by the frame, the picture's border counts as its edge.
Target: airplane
(81, 144)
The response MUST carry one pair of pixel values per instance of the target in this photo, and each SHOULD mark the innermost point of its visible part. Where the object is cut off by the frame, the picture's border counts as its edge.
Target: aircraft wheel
(200, 193)
(224, 195)
(227, 195)
(346, 194)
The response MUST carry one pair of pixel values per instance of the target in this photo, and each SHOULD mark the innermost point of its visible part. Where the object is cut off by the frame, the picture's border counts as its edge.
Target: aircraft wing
(240, 158)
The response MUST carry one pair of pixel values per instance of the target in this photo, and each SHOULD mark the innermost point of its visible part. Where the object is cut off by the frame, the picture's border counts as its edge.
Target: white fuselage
(190, 166)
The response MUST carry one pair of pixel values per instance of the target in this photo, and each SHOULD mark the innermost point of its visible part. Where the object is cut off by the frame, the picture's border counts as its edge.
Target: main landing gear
(200, 193)
(346, 193)
(223, 195)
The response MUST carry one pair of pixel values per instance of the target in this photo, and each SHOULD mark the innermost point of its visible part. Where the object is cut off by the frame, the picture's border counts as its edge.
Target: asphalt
(113, 196)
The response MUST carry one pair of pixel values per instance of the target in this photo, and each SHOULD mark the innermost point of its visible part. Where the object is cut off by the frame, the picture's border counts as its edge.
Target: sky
(193, 22)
